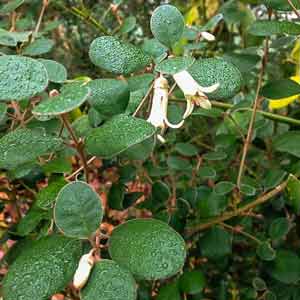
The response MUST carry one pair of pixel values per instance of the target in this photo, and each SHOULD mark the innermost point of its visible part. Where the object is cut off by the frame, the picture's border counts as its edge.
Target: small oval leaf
(149, 248)
(109, 96)
(174, 65)
(43, 268)
(167, 24)
(116, 56)
(21, 77)
(117, 135)
(78, 210)
(56, 72)
(70, 98)
(109, 281)
(210, 71)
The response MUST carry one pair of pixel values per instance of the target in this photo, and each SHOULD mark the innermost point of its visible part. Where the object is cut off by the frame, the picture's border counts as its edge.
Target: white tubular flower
(158, 114)
(193, 92)
(208, 36)
(83, 271)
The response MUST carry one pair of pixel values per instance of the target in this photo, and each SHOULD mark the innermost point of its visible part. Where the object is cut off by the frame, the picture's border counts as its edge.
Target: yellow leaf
(283, 102)
(192, 16)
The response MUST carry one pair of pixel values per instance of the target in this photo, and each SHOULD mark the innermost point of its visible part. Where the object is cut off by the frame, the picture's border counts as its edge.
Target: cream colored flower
(84, 269)
(158, 114)
(208, 36)
(193, 91)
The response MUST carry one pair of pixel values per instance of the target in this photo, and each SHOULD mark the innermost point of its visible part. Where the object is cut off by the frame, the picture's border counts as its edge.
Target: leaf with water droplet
(78, 210)
(109, 281)
(21, 77)
(116, 56)
(215, 70)
(71, 97)
(57, 72)
(174, 65)
(149, 248)
(117, 135)
(167, 24)
(109, 96)
(42, 268)
(38, 47)
(25, 145)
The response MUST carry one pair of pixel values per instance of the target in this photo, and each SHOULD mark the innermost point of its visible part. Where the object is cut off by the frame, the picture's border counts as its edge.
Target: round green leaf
(167, 24)
(148, 248)
(174, 65)
(70, 98)
(186, 149)
(192, 282)
(11, 39)
(117, 135)
(288, 142)
(279, 89)
(216, 243)
(207, 172)
(265, 251)
(286, 267)
(56, 72)
(25, 145)
(215, 70)
(116, 56)
(109, 281)
(169, 291)
(138, 82)
(267, 28)
(224, 187)
(78, 210)
(38, 47)
(109, 96)
(21, 77)
(247, 189)
(279, 228)
(42, 269)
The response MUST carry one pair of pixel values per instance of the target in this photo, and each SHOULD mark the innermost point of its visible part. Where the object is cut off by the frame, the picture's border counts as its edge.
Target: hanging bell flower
(84, 269)
(159, 109)
(194, 93)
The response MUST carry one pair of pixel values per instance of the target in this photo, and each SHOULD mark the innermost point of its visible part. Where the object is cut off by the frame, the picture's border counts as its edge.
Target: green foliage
(21, 77)
(138, 180)
(110, 281)
(43, 268)
(78, 210)
(137, 246)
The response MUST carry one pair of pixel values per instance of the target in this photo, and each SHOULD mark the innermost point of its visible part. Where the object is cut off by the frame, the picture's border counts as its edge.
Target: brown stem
(78, 144)
(239, 211)
(81, 168)
(39, 22)
(294, 8)
(143, 100)
(253, 115)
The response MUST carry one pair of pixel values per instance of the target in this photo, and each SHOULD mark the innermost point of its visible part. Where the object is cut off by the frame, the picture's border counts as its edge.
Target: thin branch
(240, 231)
(39, 22)
(81, 168)
(253, 116)
(239, 211)
(143, 100)
(78, 145)
(294, 8)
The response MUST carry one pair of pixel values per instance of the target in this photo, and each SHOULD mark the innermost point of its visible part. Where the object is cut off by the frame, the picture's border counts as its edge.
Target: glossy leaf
(288, 143)
(167, 24)
(210, 71)
(70, 98)
(78, 210)
(56, 72)
(116, 56)
(25, 145)
(38, 47)
(149, 248)
(21, 77)
(109, 281)
(174, 65)
(192, 282)
(117, 135)
(109, 96)
(42, 269)
(267, 28)
(280, 89)
(279, 228)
